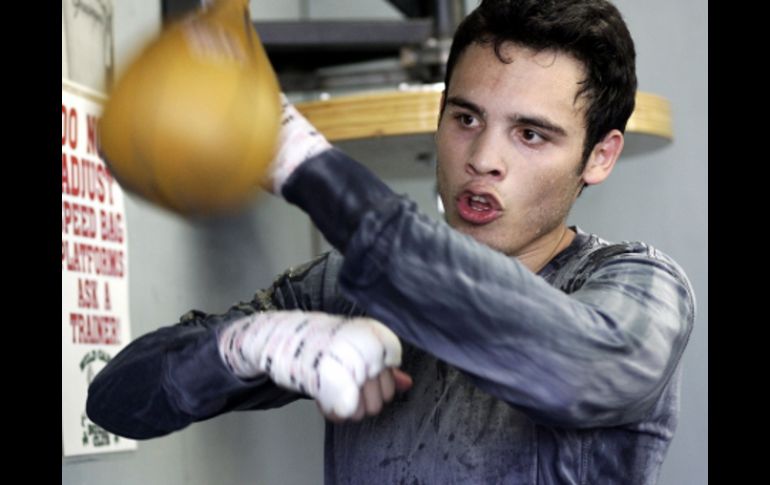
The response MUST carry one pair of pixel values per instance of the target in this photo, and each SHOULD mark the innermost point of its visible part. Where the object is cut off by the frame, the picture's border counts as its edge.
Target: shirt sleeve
(598, 356)
(173, 376)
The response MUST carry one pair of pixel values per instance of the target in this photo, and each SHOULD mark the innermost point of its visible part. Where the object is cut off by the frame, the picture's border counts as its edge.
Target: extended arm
(169, 378)
(597, 356)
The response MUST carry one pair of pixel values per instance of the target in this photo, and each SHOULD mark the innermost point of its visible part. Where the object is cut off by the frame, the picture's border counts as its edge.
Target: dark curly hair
(593, 31)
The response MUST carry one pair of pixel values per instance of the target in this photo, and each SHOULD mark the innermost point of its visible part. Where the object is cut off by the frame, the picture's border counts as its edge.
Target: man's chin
(485, 234)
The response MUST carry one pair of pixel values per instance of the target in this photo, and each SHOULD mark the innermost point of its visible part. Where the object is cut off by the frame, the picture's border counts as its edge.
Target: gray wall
(659, 196)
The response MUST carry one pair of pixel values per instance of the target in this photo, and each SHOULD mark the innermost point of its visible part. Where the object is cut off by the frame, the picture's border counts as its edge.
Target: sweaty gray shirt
(609, 396)
(446, 429)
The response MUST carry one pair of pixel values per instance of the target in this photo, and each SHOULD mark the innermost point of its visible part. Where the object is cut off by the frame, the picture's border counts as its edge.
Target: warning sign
(94, 269)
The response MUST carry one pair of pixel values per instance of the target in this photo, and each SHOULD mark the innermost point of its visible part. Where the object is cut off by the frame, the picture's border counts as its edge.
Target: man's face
(509, 147)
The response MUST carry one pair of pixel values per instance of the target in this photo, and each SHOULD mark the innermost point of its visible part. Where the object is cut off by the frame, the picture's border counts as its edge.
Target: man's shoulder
(324, 262)
(311, 286)
(594, 253)
(594, 247)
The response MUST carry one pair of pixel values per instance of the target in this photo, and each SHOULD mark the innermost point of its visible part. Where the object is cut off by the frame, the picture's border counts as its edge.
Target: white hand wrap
(298, 141)
(327, 357)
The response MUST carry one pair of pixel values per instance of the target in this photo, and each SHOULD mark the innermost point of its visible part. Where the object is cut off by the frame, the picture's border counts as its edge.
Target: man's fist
(327, 357)
(375, 392)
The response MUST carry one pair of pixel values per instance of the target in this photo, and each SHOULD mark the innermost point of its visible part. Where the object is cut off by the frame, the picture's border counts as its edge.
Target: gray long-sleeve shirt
(569, 376)
(546, 395)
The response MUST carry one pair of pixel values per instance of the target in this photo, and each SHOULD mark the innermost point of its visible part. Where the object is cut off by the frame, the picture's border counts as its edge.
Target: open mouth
(478, 208)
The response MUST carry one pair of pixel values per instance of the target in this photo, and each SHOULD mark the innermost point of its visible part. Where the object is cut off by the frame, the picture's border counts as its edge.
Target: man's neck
(556, 242)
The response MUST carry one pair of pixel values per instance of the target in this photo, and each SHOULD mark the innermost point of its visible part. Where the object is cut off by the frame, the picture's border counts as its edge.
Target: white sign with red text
(94, 270)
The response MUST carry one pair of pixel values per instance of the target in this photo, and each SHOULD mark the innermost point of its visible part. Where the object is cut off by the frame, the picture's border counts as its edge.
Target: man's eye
(531, 136)
(465, 119)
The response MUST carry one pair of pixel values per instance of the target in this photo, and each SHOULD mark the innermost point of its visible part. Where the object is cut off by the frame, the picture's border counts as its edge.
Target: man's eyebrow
(464, 103)
(539, 122)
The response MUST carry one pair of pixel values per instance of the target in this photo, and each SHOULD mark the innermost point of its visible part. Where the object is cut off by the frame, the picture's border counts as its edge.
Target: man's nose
(487, 158)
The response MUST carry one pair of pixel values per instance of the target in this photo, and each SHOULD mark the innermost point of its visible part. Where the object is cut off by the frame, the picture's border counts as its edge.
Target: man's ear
(602, 159)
